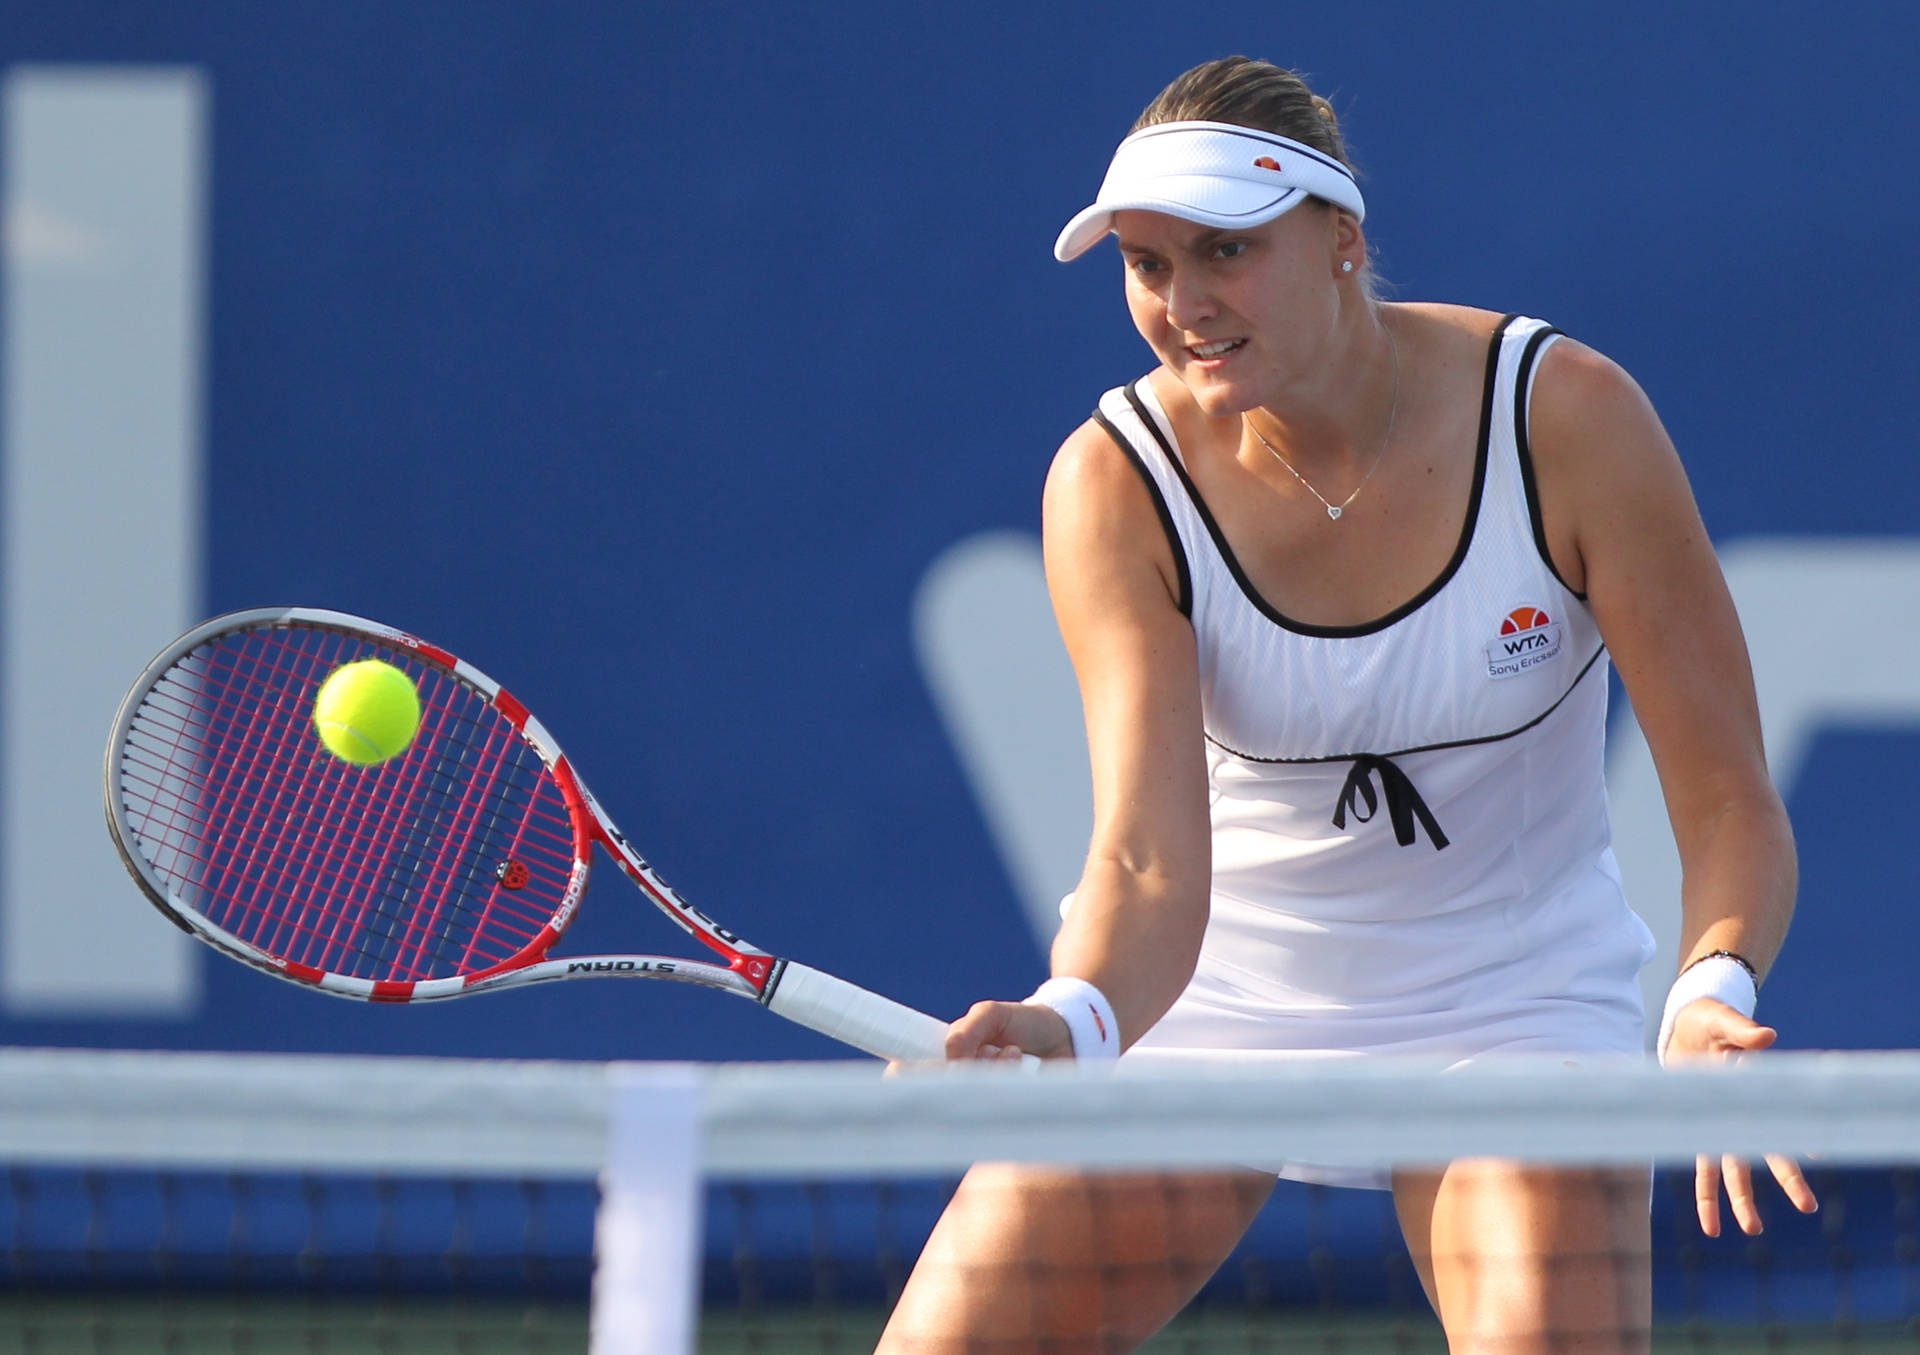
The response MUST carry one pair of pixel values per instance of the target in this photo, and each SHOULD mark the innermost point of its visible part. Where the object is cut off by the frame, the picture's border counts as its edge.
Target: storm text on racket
(622, 967)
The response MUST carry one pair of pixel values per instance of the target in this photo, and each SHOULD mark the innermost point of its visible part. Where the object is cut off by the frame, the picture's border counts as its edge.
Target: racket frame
(800, 993)
(747, 970)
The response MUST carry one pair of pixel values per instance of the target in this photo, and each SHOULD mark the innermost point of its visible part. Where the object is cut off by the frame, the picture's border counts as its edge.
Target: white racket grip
(854, 1016)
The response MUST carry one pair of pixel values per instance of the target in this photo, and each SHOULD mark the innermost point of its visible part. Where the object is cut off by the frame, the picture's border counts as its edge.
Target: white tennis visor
(1213, 173)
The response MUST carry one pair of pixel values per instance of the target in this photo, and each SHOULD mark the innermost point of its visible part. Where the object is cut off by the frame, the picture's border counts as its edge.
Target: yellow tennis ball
(366, 712)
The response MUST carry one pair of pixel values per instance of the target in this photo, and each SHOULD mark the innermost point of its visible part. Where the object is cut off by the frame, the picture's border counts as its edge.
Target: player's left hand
(1709, 1031)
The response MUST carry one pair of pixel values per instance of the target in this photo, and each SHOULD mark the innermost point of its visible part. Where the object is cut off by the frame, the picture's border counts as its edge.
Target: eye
(1143, 263)
(1229, 249)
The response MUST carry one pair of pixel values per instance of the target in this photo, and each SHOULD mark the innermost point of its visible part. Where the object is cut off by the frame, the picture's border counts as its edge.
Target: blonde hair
(1258, 94)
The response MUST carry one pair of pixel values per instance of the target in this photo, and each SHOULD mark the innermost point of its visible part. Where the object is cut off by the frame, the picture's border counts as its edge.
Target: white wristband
(1088, 1014)
(1720, 977)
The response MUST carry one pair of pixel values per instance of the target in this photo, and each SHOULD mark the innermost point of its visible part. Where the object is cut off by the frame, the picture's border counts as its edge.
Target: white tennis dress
(1410, 833)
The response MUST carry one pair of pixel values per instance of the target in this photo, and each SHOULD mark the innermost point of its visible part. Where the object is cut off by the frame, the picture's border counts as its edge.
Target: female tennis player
(1340, 580)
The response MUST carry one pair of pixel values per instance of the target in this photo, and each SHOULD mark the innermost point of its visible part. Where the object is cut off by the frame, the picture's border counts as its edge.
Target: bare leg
(1522, 1260)
(1030, 1259)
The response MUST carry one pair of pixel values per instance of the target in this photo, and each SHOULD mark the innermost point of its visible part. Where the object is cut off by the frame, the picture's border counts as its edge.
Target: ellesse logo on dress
(1528, 638)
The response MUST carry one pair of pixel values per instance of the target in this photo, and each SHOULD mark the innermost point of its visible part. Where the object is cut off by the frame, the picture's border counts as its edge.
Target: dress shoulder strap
(1133, 419)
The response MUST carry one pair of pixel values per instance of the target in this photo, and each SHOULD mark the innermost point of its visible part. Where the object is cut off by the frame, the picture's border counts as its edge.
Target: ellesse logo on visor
(1267, 162)
(1528, 638)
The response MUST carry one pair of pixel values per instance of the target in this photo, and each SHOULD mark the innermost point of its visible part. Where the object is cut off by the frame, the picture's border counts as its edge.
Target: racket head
(461, 857)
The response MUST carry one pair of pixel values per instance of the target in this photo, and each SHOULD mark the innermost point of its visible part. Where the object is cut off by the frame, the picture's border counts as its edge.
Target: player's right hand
(1007, 1030)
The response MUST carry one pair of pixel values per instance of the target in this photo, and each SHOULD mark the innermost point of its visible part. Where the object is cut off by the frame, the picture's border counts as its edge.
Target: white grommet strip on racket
(451, 868)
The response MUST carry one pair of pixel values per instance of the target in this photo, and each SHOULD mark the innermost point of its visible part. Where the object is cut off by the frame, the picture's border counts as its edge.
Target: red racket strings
(448, 859)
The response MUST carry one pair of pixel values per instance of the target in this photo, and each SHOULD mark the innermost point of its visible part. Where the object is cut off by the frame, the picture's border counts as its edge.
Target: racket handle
(854, 1016)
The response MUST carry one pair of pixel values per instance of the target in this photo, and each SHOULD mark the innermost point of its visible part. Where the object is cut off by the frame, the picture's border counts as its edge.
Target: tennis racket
(451, 868)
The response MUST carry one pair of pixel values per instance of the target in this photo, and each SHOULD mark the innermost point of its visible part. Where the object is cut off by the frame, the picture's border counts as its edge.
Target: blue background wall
(650, 354)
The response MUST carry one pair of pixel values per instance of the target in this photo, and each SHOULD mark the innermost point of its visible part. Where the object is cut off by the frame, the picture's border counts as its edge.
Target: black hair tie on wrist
(1736, 957)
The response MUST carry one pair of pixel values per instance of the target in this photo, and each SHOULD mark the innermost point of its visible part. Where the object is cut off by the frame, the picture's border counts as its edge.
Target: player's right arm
(1140, 910)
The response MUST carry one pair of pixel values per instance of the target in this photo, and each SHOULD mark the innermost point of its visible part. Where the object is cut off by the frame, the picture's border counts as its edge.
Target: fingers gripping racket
(451, 868)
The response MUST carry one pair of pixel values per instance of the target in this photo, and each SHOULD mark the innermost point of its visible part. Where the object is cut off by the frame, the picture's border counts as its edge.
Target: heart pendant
(1333, 512)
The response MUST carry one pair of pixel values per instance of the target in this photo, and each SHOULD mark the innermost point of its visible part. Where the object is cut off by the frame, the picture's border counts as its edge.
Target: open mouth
(1206, 352)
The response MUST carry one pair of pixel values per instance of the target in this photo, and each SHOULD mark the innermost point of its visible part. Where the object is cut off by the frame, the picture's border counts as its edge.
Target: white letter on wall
(105, 216)
(991, 654)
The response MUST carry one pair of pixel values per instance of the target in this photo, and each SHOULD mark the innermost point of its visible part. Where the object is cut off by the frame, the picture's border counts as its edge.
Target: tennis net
(194, 1203)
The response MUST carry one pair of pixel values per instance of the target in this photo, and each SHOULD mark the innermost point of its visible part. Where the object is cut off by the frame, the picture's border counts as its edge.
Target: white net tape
(480, 1117)
(669, 1143)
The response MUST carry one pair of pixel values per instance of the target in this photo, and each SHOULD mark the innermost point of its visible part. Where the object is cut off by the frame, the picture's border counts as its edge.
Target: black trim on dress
(1405, 808)
(1160, 507)
(1522, 393)
(1407, 811)
(1427, 747)
(1405, 609)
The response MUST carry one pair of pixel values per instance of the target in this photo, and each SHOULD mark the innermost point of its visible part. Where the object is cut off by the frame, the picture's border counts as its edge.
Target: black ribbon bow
(1404, 804)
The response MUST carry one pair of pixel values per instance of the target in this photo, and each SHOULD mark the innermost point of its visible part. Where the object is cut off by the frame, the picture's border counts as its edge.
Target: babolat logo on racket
(1528, 638)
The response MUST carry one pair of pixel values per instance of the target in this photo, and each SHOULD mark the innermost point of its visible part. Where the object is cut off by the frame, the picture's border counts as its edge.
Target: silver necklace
(1334, 510)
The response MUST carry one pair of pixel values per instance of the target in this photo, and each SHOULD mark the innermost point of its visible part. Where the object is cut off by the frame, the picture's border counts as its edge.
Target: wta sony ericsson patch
(1528, 638)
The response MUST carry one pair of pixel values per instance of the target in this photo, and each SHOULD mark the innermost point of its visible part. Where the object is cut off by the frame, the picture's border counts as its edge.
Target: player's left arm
(1622, 526)
(1629, 536)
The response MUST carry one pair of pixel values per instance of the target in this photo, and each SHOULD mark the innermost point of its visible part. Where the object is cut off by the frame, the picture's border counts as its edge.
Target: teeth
(1214, 350)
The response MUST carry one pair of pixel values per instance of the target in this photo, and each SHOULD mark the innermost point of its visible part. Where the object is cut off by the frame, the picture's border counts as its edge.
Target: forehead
(1159, 232)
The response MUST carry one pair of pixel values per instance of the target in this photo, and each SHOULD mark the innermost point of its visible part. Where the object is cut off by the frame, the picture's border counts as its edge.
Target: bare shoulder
(1099, 519)
(1443, 330)
(1473, 321)
(1090, 478)
(1581, 382)
(1588, 412)
(1610, 481)
(1086, 456)
(1444, 348)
